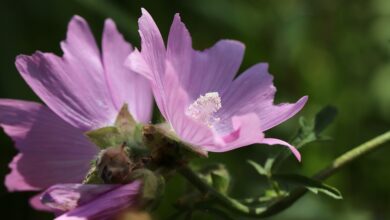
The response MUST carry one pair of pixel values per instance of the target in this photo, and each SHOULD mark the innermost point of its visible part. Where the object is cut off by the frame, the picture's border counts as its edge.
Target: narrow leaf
(312, 185)
(260, 169)
(268, 164)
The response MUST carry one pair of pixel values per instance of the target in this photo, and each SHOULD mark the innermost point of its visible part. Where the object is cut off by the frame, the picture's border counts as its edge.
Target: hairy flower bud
(114, 165)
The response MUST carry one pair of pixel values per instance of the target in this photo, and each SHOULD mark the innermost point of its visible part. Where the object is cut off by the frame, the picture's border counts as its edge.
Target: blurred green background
(337, 52)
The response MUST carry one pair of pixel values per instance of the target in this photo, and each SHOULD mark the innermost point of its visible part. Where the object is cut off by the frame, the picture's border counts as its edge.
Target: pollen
(204, 108)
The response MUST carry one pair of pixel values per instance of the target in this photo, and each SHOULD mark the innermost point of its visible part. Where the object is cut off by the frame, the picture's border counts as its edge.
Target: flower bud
(114, 165)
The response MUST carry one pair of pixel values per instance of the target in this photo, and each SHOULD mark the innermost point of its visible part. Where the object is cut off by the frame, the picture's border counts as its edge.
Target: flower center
(204, 108)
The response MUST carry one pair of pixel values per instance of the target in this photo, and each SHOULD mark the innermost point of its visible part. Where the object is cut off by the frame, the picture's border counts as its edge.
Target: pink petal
(153, 55)
(172, 101)
(187, 129)
(273, 141)
(151, 62)
(125, 85)
(51, 150)
(74, 85)
(66, 197)
(253, 91)
(16, 180)
(106, 205)
(36, 203)
(153, 49)
(246, 131)
(282, 112)
(137, 63)
(206, 71)
(213, 70)
(179, 49)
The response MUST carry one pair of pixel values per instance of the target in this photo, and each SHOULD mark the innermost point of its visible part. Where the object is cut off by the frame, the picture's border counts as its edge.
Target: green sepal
(153, 186)
(92, 176)
(104, 137)
(166, 149)
(125, 130)
(125, 121)
(312, 185)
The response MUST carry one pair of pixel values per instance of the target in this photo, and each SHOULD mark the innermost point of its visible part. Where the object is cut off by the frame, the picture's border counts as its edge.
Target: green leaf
(324, 118)
(268, 164)
(104, 137)
(305, 133)
(221, 179)
(310, 130)
(217, 176)
(312, 185)
(260, 169)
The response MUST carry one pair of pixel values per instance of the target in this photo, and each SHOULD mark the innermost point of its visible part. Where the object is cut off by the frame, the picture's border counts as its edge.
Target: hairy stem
(285, 202)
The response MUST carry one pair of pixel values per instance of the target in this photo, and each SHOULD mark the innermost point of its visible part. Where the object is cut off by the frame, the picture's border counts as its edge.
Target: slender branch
(285, 202)
(352, 155)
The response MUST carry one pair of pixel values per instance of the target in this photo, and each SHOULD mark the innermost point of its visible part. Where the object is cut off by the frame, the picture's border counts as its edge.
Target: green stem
(352, 155)
(283, 203)
(274, 185)
(206, 189)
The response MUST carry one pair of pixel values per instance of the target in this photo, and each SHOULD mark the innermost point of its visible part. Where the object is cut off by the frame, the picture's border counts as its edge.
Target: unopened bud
(114, 165)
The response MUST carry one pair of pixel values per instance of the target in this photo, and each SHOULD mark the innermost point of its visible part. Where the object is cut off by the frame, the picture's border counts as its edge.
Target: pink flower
(82, 202)
(83, 90)
(197, 94)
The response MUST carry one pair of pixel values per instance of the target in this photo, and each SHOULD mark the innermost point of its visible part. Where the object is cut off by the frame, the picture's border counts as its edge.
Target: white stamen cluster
(204, 108)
